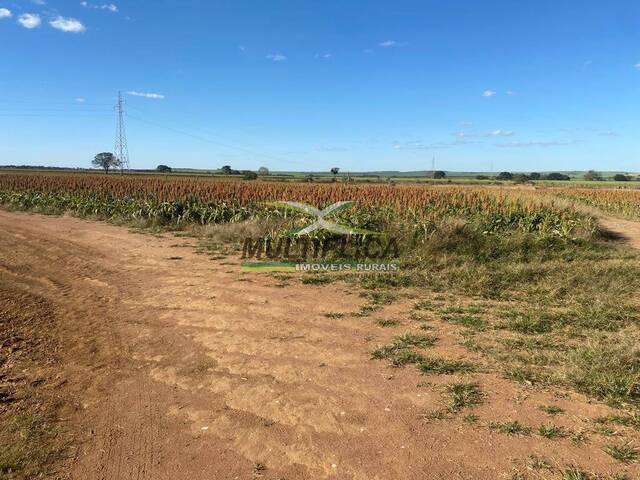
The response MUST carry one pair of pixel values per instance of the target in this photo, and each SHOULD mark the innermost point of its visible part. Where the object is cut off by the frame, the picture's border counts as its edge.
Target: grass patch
(317, 280)
(627, 420)
(416, 340)
(622, 453)
(424, 305)
(574, 473)
(383, 297)
(466, 320)
(510, 428)
(28, 447)
(442, 366)
(381, 322)
(400, 352)
(538, 463)
(366, 310)
(406, 357)
(472, 345)
(462, 395)
(607, 367)
(551, 409)
(529, 324)
(521, 375)
(399, 356)
(334, 315)
(419, 317)
(605, 431)
(470, 418)
(551, 431)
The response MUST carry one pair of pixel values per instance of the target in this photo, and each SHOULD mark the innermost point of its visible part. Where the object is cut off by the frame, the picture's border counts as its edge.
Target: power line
(30, 108)
(213, 142)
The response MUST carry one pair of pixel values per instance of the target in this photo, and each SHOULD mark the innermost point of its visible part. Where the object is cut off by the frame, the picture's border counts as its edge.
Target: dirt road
(182, 367)
(626, 230)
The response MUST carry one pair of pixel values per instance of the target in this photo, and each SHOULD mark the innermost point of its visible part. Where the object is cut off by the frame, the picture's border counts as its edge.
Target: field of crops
(201, 201)
(618, 202)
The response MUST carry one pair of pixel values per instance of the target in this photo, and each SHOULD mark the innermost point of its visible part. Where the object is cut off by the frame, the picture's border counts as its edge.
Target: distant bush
(482, 177)
(592, 176)
(439, 174)
(557, 176)
(620, 177)
(163, 169)
(521, 178)
(534, 176)
(505, 176)
(249, 175)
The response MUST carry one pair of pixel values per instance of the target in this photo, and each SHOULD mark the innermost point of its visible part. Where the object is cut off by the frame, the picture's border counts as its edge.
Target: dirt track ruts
(185, 368)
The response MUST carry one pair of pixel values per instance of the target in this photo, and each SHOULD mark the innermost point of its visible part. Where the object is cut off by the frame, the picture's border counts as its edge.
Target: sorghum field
(511, 328)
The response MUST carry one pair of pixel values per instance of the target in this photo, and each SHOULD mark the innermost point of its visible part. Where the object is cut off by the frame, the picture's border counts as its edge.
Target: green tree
(163, 169)
(557, 176)
(592, 176)
(106, 161)
(438, 174)
(505, 176)
(521, 178)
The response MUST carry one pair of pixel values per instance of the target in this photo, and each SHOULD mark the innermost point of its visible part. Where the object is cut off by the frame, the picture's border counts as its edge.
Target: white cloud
(609, 133)
(501, 133)
(419, 145)
(242, 48)
(511, 93)
(494, 133)
(552, 143)
(5, 13)
(39, 2)
(392, 43)
(489, 93)
(603, 132)
(80, 100)
(334, 149)
(30, 20)
(70, 25)
(277, 57)
(105, 6)
(637, 66)
(154, 96)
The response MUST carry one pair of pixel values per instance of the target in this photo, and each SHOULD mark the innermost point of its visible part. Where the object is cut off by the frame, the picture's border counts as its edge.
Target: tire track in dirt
(188, 369)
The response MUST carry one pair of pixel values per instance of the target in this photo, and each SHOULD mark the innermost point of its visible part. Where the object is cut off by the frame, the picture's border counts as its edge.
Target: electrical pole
(121, 150)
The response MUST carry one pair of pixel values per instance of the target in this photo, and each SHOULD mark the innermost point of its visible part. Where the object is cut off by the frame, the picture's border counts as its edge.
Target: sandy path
(185, 368)
(626, 230)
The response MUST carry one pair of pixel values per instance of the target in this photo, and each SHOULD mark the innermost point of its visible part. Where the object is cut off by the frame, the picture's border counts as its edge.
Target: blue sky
(308, 85)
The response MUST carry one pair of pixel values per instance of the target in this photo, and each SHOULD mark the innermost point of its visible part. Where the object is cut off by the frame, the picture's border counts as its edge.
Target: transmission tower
(121, 149)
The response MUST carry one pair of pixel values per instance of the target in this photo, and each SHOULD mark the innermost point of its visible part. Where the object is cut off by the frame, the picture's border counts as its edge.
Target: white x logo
(321, 221)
